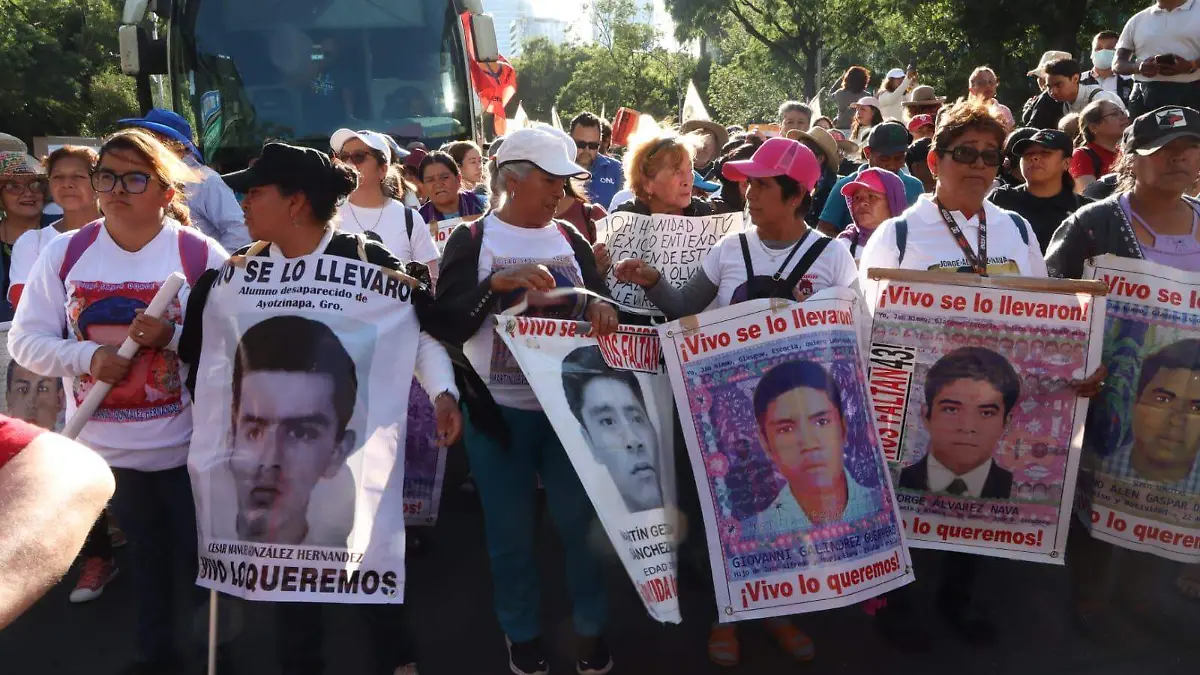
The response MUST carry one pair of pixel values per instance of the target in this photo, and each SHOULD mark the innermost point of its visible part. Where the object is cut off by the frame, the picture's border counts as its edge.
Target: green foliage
(746, 84)
(61, 74)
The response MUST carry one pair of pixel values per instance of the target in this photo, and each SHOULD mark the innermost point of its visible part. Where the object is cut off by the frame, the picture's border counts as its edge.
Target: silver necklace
(360, 225)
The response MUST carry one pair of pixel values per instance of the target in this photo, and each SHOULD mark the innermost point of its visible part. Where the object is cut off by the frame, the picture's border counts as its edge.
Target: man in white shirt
(1104, 55)
(969, 397)
(1160, 47)
(291, 412)
(1062, 83)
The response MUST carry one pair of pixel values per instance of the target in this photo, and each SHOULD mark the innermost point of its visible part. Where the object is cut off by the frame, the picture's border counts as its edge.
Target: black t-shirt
(1044, 214)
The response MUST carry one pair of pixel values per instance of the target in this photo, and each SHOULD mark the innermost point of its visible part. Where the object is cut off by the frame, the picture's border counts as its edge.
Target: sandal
(723, 647)
(791, 639)
(1188, 583)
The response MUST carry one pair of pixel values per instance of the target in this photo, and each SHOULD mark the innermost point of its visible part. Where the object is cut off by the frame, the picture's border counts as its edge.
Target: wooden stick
(1001, 282)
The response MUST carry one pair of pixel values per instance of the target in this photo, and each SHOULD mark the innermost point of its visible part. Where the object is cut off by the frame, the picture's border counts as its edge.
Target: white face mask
(1103, 59)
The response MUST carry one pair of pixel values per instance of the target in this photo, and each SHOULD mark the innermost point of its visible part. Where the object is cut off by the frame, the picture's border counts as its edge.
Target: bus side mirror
(483, 34)
(141, 55)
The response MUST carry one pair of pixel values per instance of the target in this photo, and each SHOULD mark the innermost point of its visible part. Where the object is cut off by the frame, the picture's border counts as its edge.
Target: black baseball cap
(889, 138)
(287, 166)
(1051, 139)
(1151, 131)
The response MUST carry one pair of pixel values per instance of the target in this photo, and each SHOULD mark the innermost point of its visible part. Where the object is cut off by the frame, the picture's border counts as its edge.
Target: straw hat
(12, 143)
(823, 140)
(1048, 58)
(708, 126)
(924, 95)
(13, 164)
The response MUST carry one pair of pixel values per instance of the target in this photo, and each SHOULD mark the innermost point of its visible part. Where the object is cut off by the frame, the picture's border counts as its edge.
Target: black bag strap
(408, 222)
(1096, 161)
(806, 261)
(746, 255)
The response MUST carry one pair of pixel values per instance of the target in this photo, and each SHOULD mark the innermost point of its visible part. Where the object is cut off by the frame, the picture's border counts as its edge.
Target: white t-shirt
(725, 266)
(389, 223)
(1089, 93)
(506, 245)
(145, 423)
(1154, 31)
(930, 246)
(24, 255)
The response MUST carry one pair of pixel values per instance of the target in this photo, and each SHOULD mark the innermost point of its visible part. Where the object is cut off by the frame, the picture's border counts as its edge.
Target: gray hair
(499, 180)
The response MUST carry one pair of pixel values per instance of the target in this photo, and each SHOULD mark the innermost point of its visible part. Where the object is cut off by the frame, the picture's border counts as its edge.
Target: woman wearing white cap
(891, 94)
(513, 254)
(375, 208)
(780, 256)
(866, 117)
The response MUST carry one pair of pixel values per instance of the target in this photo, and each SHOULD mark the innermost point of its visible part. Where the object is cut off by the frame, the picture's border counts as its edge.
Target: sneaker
(527, 658)
(594, 658)
(96, 574)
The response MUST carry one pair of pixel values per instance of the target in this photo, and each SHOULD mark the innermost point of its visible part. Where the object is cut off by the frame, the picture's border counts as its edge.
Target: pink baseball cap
(918, 122)
(868, 180)
(778, 157)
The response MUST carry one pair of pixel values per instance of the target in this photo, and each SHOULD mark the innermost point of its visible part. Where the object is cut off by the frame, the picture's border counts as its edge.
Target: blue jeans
(156, 511)
(507, 483)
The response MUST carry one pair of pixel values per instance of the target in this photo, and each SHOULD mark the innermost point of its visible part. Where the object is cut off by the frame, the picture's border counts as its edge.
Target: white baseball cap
(544, 149)
(372, 139)
(895, 72)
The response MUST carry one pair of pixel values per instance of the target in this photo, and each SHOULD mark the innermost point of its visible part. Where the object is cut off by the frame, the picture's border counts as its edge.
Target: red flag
(495, 83)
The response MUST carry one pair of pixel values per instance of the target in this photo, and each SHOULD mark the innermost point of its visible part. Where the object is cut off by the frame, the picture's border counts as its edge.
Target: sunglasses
(134, 182)
(17, 189)
(965, 154)
(357, 157)
(584, 145)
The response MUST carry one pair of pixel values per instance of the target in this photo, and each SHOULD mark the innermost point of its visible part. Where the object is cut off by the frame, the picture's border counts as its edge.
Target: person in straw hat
(924, 101)
(22, 196)
(825, 147)
(712, 138)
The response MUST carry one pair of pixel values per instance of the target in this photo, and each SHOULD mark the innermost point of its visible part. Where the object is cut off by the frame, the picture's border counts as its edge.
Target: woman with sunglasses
(374, 208)
(86, 295)
(22, 196)
(1100, 127)
(440, 175)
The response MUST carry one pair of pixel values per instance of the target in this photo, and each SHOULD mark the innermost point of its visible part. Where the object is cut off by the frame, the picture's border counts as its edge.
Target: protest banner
(424, 460)
(798, 509)
(611, 406)
(1140, 481)
(28, 396)
(302, 402)
(674, 245)
(970, 382)
(440, 229)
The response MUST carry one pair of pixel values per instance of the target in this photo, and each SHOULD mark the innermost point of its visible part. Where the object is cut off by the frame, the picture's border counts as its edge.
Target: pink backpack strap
(80, 242)
(193, 252)
(562, 229)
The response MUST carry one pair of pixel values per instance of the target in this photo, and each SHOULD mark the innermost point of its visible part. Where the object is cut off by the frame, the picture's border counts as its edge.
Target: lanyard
(779, 272)
(978, 262)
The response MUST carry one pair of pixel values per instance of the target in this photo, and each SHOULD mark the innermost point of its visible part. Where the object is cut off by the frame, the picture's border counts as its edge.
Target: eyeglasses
(17, 189)
(357, 157)
(965, 154)
(585, 145)
(134, 182)
(1119, 114)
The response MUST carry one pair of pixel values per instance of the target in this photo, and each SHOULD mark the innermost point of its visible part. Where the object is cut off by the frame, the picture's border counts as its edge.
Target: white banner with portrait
(301, 406)
(28, 396)
(610, 404)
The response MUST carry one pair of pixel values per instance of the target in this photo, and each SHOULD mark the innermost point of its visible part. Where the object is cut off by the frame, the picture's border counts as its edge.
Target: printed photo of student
(1166, 421)
(283, 445)
(33, 398)
(969, 398)
(611, 410)
(799, 406)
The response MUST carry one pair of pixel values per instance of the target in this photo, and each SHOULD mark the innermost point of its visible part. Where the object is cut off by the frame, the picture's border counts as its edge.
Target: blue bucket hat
(699, 183)
(166, 123)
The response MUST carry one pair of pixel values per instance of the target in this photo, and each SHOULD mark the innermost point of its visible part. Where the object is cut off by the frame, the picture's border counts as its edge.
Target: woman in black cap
(292, 194)
(1153, 218)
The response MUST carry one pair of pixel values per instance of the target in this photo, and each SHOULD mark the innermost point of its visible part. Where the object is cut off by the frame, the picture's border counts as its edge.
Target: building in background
(562, 21)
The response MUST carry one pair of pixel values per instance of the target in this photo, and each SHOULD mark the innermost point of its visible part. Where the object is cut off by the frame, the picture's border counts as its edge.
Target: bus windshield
(298, 70)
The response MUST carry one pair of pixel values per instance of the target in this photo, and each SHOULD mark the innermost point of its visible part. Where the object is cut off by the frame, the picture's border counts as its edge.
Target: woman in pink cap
(873, 197)
(778, 256)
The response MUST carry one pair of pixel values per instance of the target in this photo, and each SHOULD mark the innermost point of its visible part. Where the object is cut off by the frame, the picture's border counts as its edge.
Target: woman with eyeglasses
(374, 208)
(70, 168)
(440, 175)
(86, 295)
(1100, 127)
(22, 197)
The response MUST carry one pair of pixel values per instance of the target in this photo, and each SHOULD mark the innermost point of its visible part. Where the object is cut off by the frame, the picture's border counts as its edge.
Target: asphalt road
(449, 597)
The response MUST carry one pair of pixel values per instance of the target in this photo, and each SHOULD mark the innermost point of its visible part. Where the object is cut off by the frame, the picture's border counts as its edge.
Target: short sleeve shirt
(1155, 31)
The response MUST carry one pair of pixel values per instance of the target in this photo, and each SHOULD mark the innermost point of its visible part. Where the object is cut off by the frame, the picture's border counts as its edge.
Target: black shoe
(900, 628)
(969, 623)
(594, 658)
(527, 658)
